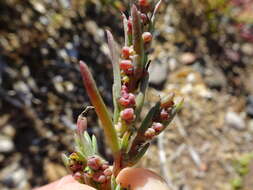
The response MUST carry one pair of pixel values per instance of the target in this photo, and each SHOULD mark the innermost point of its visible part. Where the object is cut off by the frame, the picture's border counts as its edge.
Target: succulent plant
(126, 134)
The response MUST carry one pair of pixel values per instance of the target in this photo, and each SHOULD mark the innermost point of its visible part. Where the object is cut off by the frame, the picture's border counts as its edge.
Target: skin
(132, 178)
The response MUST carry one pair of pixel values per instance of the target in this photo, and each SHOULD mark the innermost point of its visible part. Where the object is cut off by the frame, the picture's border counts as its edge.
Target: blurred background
(203, 51)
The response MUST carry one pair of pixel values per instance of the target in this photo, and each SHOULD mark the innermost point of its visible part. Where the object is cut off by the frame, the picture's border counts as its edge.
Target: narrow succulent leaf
(81, 156)
(65, 160)
(118, 187)
(125, 29)
(179, 106)
(157, 7)
(101, 110)
(113, 183)
(88, 144)
(139, 155)
(137, 36)
(148, 119)
(125, 141)
(116, 74)
(153, 18)
(94, 144)
(80, 144)
(139, 104)
(116, 106)
(141, 96)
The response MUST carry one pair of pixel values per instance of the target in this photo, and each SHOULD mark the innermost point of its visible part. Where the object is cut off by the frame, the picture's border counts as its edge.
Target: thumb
(140, 179)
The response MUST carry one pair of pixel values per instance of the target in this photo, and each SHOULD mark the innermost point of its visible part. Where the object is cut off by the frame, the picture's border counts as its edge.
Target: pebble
(187, 58)
(158, 73)
(6, 144)
(14, 176)
(9, 130)
(234, 120)
(247, 49)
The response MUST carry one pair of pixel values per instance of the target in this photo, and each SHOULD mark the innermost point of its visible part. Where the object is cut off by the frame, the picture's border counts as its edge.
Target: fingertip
(140, 179)
(76, 186)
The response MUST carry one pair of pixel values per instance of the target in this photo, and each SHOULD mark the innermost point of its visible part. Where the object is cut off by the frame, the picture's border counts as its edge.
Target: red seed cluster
(101, 171)
(143, 3)
(149, 133)
(126, 64)
(154, 130)
(127, 100)
(94, 162)
(127, 114)
(147, 37)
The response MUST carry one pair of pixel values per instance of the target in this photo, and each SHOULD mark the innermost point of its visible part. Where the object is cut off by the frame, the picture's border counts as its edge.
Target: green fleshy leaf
(80, 145)
(125, 140)
(116, 75)
(153, 18)
(116, 105)
(139, 155)
(148, 119)
(101, 109)
(141, 96)
(125, 29)
(94, 144)
(83, 145)
(88, 144)
(137, 37)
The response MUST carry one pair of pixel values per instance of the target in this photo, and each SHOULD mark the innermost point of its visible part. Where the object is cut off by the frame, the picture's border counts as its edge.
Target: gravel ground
(41, 92)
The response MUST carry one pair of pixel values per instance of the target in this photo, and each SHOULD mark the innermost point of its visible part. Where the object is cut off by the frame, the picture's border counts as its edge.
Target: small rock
(9, 130)
(6, 144)
(158, 73)
(232, 55)
(247, 49)
(234, 120)
(188, 58)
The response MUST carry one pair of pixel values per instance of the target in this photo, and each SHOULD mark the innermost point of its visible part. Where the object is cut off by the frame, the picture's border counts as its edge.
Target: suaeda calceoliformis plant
(128, 136)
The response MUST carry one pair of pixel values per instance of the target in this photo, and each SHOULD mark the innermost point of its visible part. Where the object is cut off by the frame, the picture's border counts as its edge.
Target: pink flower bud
(143, 3)
(131, 98)
(81, 124)
(158, 127)
(76, 167)
(127, 114)
(94, 162)
(99, 177)
(125, 52)
(104, 166)
(147, 37)
(127, 100)
(107, 172)
(164, 115)
(126, 64)
(149, 133)
(124, 102)
(167, 101)
(124, 89)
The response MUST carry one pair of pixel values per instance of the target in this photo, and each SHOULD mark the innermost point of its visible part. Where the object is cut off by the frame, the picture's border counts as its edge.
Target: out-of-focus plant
(127, 135)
